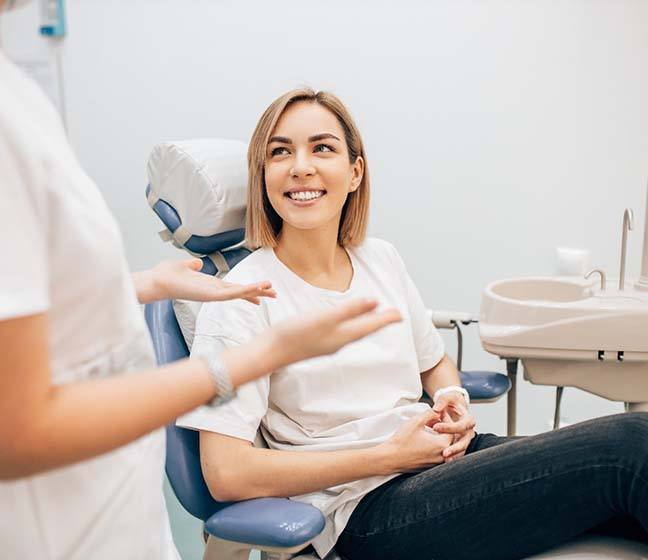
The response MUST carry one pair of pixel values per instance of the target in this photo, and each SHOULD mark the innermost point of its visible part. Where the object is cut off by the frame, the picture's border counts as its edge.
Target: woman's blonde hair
(263, 224)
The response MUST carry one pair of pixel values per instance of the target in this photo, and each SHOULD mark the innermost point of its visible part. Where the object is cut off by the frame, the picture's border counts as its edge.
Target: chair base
(218, 549)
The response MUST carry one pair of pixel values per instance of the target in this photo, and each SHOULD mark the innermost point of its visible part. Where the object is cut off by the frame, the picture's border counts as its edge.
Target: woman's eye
(324, 148)
(278, 151)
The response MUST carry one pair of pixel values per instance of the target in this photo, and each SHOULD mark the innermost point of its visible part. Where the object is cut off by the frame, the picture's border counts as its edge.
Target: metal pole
(511, 400)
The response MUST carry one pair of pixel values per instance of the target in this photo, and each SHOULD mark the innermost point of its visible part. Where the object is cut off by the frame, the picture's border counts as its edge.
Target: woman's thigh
(508, 497)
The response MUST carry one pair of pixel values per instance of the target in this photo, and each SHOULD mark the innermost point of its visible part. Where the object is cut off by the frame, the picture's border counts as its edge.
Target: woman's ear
(357, 172)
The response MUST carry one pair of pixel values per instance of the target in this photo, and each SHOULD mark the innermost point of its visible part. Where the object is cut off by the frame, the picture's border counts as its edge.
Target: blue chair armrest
(482, 385)
(485, 385)
(267, 522)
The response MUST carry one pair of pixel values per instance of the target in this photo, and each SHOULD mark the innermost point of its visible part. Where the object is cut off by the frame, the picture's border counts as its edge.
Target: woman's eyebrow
(323, 136)
(315, 138)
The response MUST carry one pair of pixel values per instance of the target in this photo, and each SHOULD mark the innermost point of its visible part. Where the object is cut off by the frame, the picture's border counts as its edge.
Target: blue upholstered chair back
(183, 451)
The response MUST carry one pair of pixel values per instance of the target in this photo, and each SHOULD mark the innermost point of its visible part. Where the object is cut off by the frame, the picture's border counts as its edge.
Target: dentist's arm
(44, 426)
(183, 280)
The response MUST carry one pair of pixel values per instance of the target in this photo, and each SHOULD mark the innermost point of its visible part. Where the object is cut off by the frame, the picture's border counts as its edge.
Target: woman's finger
(458, 447)
(460, 426)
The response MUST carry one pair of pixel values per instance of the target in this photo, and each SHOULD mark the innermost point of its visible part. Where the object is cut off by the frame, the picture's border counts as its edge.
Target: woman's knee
(634, 423)
(630, 431)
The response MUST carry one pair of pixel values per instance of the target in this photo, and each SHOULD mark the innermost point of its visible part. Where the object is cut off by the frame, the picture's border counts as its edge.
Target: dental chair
(197, 190)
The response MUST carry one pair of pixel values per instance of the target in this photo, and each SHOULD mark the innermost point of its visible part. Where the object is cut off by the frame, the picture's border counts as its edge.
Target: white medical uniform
(356, 398)
(62, 254)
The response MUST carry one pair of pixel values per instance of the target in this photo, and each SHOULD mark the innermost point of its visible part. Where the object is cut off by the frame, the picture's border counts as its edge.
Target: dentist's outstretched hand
(326, 332)
(303, 337)
(183, 280)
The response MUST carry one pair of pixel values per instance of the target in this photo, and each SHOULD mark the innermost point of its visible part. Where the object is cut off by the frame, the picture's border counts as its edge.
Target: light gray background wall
(496, 130)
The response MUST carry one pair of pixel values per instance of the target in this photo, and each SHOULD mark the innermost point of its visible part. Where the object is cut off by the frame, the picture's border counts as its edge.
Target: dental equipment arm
(45, 426)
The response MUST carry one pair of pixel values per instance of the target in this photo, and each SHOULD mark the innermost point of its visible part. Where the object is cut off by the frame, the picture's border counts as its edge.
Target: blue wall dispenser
(52, 18)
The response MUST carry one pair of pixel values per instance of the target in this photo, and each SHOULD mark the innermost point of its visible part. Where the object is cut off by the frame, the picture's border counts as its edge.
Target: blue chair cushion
(485, 385)
(263, 522)
(185, 473)
(482, 385)
(267, 522)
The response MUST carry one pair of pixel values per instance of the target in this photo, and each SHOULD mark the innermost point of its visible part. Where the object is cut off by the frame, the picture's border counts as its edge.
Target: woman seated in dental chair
(347, 433)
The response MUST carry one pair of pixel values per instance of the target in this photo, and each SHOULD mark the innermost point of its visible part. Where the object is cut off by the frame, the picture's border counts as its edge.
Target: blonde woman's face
(308, 175)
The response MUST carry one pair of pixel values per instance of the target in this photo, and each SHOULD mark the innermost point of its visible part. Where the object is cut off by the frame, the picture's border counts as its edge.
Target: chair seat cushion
(587, 547)
(595, 547)
(270, 522)
(485, 384)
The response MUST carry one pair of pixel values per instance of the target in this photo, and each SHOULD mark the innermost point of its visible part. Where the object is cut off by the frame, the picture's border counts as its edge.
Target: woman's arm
(443, 374)
(183, 280)
(44, 426)
(235, 470)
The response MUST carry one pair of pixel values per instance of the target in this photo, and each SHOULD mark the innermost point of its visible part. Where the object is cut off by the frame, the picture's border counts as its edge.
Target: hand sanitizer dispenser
(52, 18)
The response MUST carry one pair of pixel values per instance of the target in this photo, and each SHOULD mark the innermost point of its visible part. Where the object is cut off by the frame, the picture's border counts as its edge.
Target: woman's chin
(305, 225)
(304, 218)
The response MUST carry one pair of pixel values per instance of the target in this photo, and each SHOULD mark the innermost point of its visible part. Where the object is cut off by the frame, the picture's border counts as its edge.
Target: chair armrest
(446, 319)
(267, 522)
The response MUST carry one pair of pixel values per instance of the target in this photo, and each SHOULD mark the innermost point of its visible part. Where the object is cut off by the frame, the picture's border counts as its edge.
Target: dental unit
(574, 332)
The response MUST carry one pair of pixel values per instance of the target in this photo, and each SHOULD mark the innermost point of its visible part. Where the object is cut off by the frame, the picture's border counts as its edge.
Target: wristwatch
(220, 378)
(450, 389)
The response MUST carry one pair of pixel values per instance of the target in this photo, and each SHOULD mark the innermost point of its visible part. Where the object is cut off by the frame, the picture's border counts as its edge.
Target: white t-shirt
(62, 254)
(355, 398)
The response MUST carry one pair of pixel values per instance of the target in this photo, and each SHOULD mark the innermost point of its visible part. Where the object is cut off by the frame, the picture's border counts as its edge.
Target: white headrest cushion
(204, 180)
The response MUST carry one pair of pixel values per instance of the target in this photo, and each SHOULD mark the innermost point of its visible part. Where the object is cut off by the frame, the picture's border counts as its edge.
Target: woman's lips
(308, 202)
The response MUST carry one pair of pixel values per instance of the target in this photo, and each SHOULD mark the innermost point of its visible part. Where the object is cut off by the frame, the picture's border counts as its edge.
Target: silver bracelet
(221, 380)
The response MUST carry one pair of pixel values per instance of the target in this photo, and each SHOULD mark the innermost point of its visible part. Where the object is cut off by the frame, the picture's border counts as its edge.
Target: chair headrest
(198, 189)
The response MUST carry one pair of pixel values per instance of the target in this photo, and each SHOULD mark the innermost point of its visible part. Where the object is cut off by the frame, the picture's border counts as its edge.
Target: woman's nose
(302, 166)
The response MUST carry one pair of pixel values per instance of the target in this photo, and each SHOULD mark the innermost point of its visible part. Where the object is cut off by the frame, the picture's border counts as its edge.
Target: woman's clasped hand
(457, 422)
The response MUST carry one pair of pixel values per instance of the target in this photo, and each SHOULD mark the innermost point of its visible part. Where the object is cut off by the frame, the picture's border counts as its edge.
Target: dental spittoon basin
(569, 332)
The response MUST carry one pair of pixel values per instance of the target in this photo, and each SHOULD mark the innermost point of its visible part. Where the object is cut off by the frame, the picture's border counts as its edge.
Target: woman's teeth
(305, 195)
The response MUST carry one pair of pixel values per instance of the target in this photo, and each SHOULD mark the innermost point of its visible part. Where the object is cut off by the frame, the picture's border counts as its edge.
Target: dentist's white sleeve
(23, 241)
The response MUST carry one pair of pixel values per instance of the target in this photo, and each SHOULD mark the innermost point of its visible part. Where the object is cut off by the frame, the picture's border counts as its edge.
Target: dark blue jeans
(511, 497)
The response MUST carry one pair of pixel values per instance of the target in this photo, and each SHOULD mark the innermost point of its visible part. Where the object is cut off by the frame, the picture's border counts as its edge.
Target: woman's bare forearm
(255, 472)
(441, 375)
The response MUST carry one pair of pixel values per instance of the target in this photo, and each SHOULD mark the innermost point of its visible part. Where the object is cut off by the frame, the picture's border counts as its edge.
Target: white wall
(496, 130)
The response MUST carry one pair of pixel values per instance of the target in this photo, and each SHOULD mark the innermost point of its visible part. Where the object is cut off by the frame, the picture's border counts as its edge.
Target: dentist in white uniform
(81, 401)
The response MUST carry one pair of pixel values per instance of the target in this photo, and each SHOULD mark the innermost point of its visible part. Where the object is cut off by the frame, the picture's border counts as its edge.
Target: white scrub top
(62, 254)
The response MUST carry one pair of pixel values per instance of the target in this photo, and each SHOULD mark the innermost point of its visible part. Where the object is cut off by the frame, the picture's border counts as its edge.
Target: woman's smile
(303, 196)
